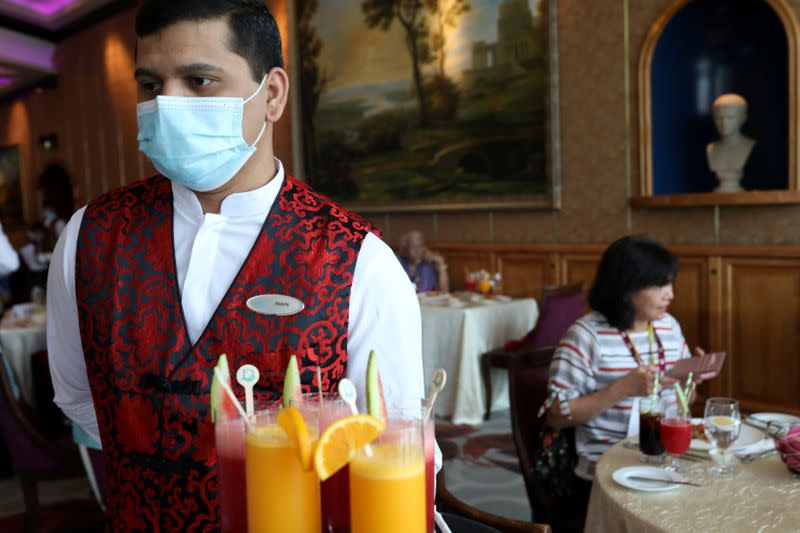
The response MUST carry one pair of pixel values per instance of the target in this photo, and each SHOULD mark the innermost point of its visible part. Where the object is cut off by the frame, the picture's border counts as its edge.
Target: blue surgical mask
(195, 141)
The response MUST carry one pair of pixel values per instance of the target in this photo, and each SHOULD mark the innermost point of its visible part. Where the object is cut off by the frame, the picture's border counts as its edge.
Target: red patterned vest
(151, 386)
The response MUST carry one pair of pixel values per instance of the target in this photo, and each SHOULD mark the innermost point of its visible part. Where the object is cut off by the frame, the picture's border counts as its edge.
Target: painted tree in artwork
(313, 79)
(410, 14)
(445, 14)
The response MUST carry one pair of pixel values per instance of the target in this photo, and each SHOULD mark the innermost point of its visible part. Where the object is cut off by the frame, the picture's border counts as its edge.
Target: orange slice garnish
(291, 421)
(342, 439)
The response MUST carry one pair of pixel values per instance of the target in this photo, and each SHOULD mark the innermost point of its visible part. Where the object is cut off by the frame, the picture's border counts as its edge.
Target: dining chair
(527, 390)
(34, 456)
(562, 305)
(446, 502)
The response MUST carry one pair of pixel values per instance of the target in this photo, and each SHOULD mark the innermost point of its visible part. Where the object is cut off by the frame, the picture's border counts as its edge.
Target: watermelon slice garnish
(376, 405)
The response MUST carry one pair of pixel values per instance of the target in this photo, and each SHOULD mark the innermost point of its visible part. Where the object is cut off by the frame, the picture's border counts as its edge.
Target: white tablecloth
(454, 338)
(761, 496)
(21, 340)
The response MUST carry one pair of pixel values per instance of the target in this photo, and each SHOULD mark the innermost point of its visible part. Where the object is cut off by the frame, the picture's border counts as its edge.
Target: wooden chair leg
(30, 496)
(486, 372)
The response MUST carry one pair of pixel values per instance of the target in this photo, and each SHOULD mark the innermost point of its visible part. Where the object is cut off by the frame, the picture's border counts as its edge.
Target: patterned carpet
(481, 466)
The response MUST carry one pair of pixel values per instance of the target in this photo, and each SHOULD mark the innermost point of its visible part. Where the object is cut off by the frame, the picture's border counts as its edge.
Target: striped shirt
(593, 355)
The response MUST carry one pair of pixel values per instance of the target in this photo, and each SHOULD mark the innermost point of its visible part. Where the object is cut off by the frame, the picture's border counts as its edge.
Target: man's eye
(200, 82)
(150, 86)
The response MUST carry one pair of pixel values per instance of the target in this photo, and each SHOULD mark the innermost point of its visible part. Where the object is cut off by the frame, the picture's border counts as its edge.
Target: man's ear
(277, 93)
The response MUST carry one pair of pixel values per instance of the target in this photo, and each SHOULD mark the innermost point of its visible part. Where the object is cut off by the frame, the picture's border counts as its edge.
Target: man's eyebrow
(194, 68)
(143, 72)
(183, 70)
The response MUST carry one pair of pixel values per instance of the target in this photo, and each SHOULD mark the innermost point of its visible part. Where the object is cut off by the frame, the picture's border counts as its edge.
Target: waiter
(149, 282)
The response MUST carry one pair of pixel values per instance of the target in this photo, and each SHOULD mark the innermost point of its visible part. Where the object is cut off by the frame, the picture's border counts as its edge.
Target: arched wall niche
(694, 51)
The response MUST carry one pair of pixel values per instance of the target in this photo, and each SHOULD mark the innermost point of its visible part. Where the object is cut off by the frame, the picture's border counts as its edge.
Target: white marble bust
(728, 155)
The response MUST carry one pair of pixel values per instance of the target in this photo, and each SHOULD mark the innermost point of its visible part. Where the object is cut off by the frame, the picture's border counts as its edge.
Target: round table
(21, 338)
(760, 496)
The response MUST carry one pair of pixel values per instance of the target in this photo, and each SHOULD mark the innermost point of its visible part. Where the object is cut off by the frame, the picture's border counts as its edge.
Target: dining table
(22, 334)
(759, 496)
(456, 330)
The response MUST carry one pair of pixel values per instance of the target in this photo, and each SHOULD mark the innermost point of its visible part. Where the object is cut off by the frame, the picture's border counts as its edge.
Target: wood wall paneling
(760, 326)
(741, 300)
(526, 274)
(689, 306)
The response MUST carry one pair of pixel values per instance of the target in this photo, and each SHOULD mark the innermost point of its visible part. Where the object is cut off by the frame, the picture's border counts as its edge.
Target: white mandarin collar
(241, 204)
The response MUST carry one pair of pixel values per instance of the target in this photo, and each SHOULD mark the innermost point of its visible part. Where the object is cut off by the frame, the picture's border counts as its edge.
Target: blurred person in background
(426, 269)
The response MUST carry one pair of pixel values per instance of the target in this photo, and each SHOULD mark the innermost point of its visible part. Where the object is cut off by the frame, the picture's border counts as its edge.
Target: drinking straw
(231, 395)
(654, 394)
(437, 384)
(682, 399)
(347, 392)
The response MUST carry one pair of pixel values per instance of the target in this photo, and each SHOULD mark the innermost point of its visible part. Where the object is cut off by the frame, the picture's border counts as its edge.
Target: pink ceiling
(45, 7)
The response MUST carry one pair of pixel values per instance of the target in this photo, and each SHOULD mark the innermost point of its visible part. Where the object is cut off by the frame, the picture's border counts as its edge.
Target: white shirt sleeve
(64, 346)
(385, 317)
(9, 260)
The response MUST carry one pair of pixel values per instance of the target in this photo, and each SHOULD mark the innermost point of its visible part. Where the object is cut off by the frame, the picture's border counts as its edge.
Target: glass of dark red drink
(651, 412)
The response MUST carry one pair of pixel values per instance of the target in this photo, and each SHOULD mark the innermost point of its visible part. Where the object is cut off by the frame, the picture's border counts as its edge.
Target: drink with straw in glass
(282, 486)
(229, 434)
(335, 491)
(387, 480)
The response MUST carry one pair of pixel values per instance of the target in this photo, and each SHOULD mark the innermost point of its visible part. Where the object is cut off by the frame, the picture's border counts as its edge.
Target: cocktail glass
(335, 491)
(229, 434)
(282, 496)
(429, 443)
(676, 434)
(651, 449)
(387, 479)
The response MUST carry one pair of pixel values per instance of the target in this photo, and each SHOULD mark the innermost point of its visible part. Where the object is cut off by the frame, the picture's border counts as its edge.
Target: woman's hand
(639, 382)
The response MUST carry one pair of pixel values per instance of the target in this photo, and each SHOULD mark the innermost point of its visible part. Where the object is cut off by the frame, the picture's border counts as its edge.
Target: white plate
(748, 435)
(622, 476)
(761, 419)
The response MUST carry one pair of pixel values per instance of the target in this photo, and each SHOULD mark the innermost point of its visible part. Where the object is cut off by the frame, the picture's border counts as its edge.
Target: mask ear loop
(264, 127)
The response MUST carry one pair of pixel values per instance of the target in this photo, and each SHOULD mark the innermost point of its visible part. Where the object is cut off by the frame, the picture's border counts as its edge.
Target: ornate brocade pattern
(151, 386)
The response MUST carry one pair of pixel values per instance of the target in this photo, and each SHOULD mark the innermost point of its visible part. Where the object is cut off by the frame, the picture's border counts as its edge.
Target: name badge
(275, 304)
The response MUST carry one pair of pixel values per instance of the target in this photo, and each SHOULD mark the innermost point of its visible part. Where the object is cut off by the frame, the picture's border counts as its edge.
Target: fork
(749, 458)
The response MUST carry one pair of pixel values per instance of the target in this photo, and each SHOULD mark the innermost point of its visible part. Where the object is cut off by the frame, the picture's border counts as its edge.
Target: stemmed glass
(722, 425)
(676, 434)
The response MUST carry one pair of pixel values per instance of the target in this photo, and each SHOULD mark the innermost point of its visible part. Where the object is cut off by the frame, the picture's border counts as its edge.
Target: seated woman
(612, 355)
(427, 270)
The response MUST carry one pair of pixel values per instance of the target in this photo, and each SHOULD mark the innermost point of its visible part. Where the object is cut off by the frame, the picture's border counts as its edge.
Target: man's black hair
(627, 266)
(254, 34)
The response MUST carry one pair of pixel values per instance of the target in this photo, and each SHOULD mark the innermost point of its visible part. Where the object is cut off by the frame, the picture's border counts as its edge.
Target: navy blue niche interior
(712, 47)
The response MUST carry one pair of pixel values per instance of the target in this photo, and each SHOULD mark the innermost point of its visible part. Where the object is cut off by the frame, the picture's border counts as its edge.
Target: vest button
(166, 386)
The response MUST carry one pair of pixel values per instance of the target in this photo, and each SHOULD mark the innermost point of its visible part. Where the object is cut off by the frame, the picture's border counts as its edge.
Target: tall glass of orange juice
(387, 479)
(282, 495)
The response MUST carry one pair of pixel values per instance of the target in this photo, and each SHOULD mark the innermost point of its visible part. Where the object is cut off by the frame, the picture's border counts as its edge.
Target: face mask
(195, 141)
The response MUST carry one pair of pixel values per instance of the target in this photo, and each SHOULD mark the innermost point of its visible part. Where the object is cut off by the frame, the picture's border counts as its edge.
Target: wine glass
(676, 434)
(722, 425)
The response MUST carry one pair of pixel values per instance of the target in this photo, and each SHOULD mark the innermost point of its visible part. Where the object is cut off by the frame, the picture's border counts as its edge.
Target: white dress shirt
(9, 260)
(209, 251)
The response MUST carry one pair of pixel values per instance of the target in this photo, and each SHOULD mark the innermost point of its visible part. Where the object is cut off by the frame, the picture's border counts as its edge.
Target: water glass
(722, 425)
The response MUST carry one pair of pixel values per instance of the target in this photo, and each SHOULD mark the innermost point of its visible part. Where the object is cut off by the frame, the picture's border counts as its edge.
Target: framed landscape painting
(10, 187)
(427, 104)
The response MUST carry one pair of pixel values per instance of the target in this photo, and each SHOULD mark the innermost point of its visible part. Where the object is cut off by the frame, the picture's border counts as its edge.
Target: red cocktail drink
(428, 439)
(230, 472)
(676, 435)
(335, 491)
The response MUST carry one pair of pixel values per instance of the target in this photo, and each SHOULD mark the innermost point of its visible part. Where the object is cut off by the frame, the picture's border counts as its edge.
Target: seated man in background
(427, 270)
